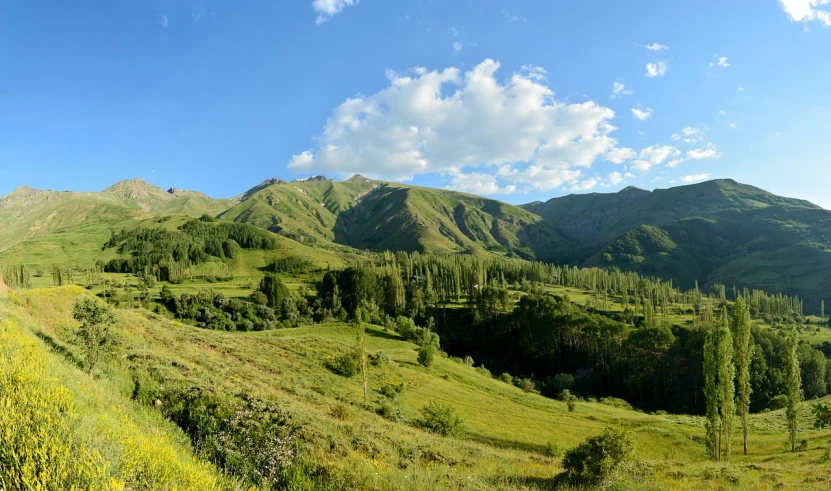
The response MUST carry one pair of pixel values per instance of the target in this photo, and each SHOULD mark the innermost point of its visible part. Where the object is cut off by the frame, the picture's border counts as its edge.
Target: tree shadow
(508, 444)
(383, 335)
(59, 348)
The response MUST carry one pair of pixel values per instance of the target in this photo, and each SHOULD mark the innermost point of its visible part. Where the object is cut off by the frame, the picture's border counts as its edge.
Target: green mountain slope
(379, 216)
(28, 213)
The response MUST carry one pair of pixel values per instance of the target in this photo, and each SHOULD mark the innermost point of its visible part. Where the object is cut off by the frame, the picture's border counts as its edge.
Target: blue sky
(520, 100)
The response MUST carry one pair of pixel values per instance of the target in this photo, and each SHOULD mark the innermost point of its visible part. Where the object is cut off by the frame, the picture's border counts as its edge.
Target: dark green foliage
(212, 310)
(778, 402)
(598, 459)
(822, 415)
(441, 419)
(94, 335)
(426, 354)
(274, 290)
(346, 364)
(165, 253)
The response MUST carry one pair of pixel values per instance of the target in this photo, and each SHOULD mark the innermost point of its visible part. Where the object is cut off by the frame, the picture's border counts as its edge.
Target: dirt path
(4, 290)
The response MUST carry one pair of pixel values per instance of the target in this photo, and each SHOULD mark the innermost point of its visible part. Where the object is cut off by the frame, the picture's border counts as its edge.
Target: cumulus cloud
(656, 47)
(656, 69)
(618, 90)
(620, 155)
(479, 183)
(720, 61)
(326, 9)
(643, 115)
(450, 122)
(808, 10)
(615, 178)
(691, 179)
(708, 152)
(655, 155)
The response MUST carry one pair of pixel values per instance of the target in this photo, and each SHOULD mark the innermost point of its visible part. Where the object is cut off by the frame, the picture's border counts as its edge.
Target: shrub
(387, 409)
(778, 402)
(552, 450)
(426, 354)
(803, 446)
(340, 411)
(526, 384)
(562, 381)
(597, 460)
(441, 419)
(572, 404)
(483, 371)
(346, 365)
(616, 402)
(391, 391)
(379, 359)
(506, 377)
(564, 395)
(468, 361)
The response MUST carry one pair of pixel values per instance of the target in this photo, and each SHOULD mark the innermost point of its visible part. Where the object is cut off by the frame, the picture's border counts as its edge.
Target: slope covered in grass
(61, 429)
(347, 445)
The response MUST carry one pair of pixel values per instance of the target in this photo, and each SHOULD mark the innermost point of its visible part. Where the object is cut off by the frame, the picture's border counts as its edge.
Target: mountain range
(717, 231)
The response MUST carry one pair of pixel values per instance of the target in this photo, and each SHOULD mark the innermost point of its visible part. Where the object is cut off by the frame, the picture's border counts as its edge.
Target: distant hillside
(380, 216)
(28, 213)
(714, 232)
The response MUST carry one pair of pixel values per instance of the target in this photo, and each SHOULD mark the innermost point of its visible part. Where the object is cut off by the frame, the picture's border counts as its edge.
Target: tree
(822, 413)
(595, 461)
(793, 385)
(426, 353)
(726, 382)
(740, 325)
(361, 348)
(94, 334)
(275, 291)
(711, 395)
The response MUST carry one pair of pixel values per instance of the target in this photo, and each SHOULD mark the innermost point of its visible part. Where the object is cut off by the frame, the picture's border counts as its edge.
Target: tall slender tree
(360, 339)
(793, 385)
(740, 325)
(726, 381)
(711, 394)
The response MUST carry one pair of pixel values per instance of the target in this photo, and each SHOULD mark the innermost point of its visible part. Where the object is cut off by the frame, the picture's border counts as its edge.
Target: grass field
(507, 430)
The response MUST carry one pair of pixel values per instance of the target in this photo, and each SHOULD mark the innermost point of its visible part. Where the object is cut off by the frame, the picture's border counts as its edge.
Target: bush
(340, 411)
(441, 419)
(526, 384)
(803, 446)
(483, 371)
(561, 382)
(426, 354)
(379, 359)
(346, 365)
(616, 402)
(468, 361)
(387, 409)
(778, 402)
(572, 404)
(597, 460)
(506, 377)
(564, 395)
(552, 450)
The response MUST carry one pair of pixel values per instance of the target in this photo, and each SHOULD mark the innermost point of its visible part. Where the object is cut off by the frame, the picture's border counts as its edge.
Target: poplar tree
(361, 347)
(740, 325)
(726, 381)
(711, 395)
(793, 385)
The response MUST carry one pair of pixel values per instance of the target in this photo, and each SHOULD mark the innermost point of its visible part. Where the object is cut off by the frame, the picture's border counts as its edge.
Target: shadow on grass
(534, 482)
(509, 444)
(59, 348)
(384, 335)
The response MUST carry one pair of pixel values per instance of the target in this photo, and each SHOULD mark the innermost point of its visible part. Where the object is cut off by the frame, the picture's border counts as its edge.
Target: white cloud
(732, 125)
(807, 10)
(708, 152)
(163, 21)
(691, 134)
(618, 90)
(656, 69)
(620, 155)
(445, 121)
(691, 179)
(585, 185)
(642, 115)
(513, 17)
(721, 61)
(326, 9)
(654, 155)
(199, 16)
(722, 113)
(615, 178)
(656, 47)
(741, 89)
(479, 183)
(457, 46)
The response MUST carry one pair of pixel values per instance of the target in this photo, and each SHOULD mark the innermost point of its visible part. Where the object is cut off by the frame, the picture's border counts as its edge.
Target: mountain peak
(320, 178)
(357, 178)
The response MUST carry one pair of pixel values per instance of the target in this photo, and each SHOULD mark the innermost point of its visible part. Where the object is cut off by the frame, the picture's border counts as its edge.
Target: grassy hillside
(347, 445)
(382, 216)
(28, 213)
(61, 429)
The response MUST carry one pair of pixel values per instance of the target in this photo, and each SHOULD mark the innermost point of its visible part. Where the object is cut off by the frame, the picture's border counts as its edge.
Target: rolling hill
(379, 216)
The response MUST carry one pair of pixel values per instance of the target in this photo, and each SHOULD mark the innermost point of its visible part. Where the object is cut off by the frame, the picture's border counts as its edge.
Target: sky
(520, 100)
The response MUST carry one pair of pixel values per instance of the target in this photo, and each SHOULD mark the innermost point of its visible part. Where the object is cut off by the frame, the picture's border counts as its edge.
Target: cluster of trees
(272, 307)
(168, 254)
(16, 276)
